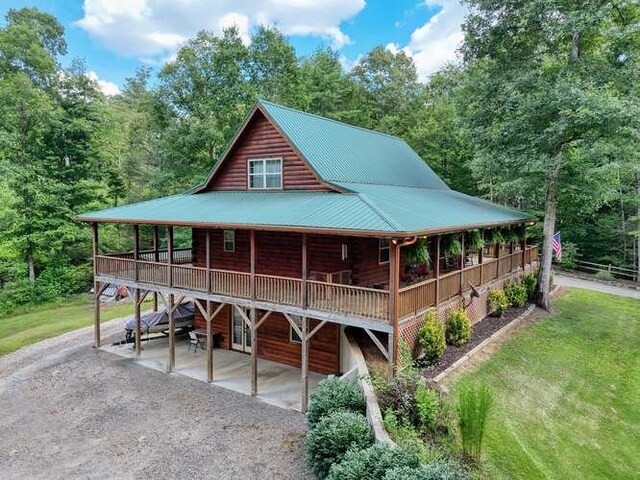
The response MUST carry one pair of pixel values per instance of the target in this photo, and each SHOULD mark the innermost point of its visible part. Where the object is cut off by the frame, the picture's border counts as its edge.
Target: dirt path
(565, 281)
(70, 411)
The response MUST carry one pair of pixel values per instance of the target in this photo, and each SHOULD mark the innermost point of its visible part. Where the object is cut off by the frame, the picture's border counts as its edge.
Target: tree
(541, 103)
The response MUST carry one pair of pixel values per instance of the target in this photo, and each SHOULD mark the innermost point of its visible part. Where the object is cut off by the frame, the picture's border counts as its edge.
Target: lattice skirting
(477, 309)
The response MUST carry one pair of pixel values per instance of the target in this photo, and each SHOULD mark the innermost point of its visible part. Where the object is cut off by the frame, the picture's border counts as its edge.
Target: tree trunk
(32, 269)
(544, 274)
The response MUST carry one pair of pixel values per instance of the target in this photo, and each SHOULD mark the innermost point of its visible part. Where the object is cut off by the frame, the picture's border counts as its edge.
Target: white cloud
(436, 42)
(108, 88)
(154, 29)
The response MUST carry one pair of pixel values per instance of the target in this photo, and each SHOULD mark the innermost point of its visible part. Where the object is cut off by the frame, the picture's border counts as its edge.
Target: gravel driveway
(69, 411)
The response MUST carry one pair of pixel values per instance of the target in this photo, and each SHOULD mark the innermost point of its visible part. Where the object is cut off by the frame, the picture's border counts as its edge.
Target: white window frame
(382, 247)
(232, 240)
(264, 173)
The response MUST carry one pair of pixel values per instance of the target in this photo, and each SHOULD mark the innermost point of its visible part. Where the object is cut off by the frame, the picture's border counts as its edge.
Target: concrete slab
(278, 384)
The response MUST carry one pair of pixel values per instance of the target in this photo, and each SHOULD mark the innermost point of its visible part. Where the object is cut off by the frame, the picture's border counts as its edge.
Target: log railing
(328, 297)
(180, 255)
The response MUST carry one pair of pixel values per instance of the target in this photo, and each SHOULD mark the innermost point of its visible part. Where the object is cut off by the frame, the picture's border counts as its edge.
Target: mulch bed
(481, 331)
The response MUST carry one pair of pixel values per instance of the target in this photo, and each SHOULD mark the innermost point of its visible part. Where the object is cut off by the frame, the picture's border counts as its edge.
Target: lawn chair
(195, 342)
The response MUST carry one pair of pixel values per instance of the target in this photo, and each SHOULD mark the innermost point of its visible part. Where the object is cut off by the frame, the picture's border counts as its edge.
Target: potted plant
(475, 240)
(418, 253)
(451, 245)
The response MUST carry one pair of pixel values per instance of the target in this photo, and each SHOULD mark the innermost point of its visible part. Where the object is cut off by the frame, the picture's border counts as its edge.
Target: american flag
(557, 246)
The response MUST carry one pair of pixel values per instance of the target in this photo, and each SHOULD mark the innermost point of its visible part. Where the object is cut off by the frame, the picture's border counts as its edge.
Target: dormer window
(265, 174)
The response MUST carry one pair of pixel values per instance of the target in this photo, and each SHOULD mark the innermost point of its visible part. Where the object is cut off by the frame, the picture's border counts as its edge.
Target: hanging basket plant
(475, 240)
(494, 236)
(451, 245)
(418, 253)
(510, 235)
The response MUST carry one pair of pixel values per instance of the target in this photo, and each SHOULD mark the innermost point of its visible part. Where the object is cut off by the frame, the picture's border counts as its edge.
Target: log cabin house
(305, 226)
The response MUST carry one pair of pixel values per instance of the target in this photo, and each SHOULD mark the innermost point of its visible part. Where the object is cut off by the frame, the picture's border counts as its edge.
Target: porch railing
(328, 297)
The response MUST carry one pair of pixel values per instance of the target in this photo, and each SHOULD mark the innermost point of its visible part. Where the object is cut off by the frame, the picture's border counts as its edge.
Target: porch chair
(194, 341)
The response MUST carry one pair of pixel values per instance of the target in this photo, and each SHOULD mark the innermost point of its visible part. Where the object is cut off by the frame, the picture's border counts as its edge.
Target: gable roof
(381, 187)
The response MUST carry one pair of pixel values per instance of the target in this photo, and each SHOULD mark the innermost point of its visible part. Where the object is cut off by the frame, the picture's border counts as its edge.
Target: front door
(241, 333)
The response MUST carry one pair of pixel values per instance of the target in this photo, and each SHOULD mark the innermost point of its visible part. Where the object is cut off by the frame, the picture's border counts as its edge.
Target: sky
(117, 36)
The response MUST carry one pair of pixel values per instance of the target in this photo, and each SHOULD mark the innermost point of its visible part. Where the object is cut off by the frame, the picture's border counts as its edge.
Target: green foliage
(451, 245)
(473, 409)
(516, 293)
(438, 470)
(372, 463)
(331, 395)
(569, 254)
(428, 407)
(458, 328)
(497, 302)
(432, 338)
(530, 281)
(475, 240)
(604, 275)
(510, 235)
(406, 367)
(417, 252)
(333, 436)
(494, 236)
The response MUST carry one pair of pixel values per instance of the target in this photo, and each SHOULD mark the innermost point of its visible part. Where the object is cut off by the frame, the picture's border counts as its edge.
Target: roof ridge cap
(377, 210)
(334, 121)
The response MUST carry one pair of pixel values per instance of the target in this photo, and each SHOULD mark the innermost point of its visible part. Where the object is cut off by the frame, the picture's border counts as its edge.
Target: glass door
(241, 332)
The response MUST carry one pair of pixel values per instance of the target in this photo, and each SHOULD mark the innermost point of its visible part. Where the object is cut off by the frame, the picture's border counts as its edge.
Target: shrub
(406, 436)
(332, 395)
(432, 338)
(473, 409)
(604, 275)
(458, 328)
(497, 302)
(333, 436)
(530, 282)
(516, 294)
(439, 470)
(406, 366)
(427, 406)
(399, 396)
(372, 463)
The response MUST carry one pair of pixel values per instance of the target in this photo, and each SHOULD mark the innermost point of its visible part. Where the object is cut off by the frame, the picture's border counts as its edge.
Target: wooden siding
(274, 341)
(366, 269)
(261, 139)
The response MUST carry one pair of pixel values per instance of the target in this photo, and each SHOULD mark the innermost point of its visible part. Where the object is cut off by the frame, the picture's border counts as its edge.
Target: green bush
(333, 436)
(473, 409)
(516, 294)
(372, 463)
(439, 470)
(497, 302)
(406, 436)
(530, 282)
(432, 338)
(604, 275)
(427, 406)
(458, 328)
(332, 395)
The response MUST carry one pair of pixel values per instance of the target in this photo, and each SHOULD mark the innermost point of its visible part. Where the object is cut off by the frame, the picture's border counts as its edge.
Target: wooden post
(172, 334)
(156, 258)
(390, 348)
(138, 338)
(169, 255)
(209, 319)
(96, 288)
(136, 249)
(305, 364)
(462, 255)
(254, 329)
(394, 275)
(523, 246)
(305, 302)
(481, 256)
(437, 270)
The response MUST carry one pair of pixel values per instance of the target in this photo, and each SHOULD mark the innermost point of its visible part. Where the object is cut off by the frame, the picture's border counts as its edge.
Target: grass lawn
(567, 393)
(19, 330)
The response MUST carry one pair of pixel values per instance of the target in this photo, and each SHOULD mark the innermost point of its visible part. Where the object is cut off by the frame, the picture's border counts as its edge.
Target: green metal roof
(389, 190)
(368, 208)
(343, 153)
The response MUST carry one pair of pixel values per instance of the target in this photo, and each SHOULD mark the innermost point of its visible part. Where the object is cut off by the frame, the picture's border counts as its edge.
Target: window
(293, 335)
(383, 251)
(265, 174)
(229, 240)
(345, 252)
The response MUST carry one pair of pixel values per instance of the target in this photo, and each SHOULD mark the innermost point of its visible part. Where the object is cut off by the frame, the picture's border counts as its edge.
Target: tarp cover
(183, 312)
